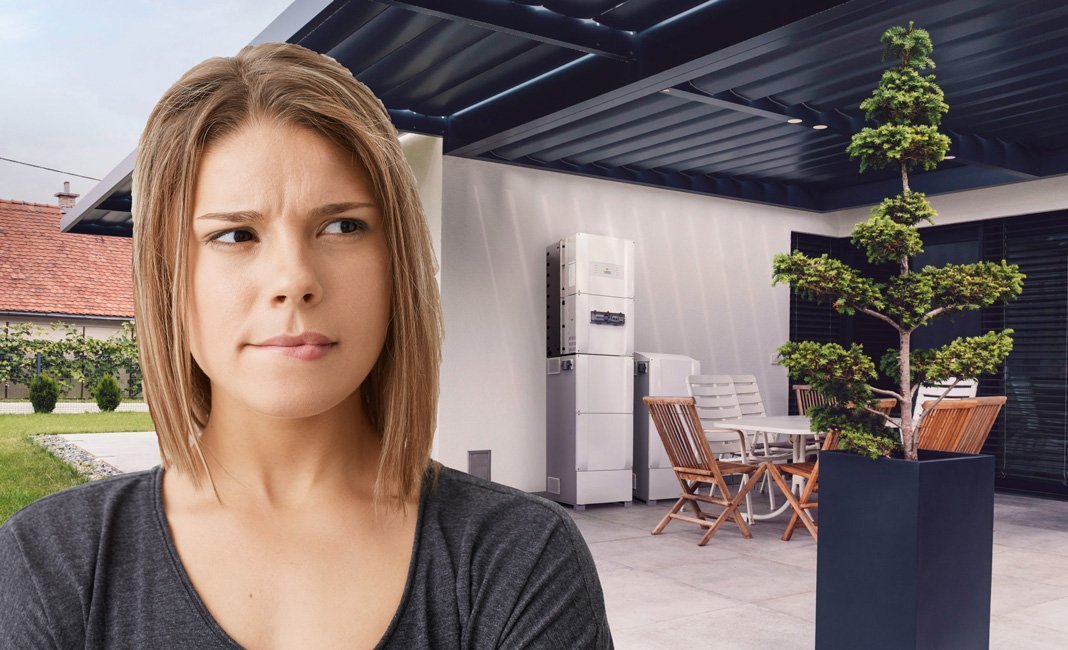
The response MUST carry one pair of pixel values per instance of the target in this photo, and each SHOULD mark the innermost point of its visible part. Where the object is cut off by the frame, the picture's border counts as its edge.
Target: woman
(289, 333)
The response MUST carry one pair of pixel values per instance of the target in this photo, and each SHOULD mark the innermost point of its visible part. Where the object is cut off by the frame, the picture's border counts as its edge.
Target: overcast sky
(78, 78)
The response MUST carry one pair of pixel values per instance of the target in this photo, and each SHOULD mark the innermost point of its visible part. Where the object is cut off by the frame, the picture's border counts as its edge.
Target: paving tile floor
(664, 591)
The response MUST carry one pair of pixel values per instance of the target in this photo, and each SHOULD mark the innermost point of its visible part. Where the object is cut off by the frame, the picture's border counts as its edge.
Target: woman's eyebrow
(247, 216)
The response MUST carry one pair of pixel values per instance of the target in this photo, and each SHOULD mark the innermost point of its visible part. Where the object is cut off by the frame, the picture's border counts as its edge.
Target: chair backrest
(977, 429)
(748, 394)
(715, 402)
(682, 433)
(829, 442)
(807, 397)
(965, 389)
(885, 405)
(943, 427)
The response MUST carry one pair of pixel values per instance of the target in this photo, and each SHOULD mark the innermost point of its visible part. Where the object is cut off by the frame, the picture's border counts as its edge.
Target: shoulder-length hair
(294, 86)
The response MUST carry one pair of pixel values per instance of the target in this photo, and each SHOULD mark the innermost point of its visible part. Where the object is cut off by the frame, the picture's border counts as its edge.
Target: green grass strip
(28, 472)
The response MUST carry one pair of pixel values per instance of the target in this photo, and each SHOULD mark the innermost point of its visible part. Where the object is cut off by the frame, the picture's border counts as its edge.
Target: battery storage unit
(659, 375)
(589, 370)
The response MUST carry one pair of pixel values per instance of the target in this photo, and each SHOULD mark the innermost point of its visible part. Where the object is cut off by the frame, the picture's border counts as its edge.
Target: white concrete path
(127, 451)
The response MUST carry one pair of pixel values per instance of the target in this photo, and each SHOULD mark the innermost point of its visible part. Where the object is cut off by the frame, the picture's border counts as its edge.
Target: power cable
(19, 162)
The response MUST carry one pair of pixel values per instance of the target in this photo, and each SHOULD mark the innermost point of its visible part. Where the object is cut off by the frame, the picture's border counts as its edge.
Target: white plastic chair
(764, 446)
(717, 405)
(716, 402)
(967, 388)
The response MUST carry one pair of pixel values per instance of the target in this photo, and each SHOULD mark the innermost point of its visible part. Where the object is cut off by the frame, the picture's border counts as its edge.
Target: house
(713, 134)
(49, 276)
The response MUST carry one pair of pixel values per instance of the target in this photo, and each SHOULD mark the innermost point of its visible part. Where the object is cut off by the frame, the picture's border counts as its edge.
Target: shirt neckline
(198, 604)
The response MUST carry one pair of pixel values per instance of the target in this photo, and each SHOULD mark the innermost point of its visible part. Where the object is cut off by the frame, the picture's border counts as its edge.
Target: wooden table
(798, 427)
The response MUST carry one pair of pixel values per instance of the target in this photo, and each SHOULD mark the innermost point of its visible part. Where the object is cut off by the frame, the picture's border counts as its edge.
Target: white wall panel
(702, 288)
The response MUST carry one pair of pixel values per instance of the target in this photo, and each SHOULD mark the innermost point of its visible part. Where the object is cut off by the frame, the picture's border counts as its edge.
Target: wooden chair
(810, 471)
(960, 425)
(807, 397)
(885, 406)
(942, 426)
(680, 430)
(978, 427)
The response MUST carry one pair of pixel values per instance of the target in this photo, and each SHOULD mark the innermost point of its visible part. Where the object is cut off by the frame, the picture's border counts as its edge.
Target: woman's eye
(219, 237)
(349, 226)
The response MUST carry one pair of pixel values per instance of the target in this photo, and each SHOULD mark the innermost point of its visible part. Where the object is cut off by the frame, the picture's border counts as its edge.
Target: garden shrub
(107, 393)
(44, 391)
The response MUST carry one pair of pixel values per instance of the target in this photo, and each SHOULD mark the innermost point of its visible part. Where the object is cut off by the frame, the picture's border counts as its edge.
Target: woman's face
(302, 250)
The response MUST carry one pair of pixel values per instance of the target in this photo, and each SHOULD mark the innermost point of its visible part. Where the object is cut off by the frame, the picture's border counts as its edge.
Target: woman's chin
(292, 404)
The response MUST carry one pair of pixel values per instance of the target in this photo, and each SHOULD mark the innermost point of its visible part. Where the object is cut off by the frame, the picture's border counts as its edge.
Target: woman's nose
(292, 264)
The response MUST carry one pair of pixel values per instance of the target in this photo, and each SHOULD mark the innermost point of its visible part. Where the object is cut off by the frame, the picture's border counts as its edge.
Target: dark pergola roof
(689, 95)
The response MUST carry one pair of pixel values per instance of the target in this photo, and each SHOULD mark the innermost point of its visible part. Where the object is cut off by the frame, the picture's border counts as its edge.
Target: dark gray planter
(904, 552)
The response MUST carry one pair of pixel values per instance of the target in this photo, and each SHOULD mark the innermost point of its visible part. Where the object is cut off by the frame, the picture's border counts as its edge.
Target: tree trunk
(908, 435)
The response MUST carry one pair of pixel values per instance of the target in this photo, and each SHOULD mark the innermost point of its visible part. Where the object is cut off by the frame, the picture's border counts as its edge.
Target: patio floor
(664, 591)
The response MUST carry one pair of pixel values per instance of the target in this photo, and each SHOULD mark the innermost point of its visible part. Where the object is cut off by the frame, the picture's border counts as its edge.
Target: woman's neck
(269, 463)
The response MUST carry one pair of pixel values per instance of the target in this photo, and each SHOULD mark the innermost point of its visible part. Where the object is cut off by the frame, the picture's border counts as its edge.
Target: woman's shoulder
(513, 563)
(51, 556)
(473, 499)
(78, 509)
(66, 528)
(483, 521)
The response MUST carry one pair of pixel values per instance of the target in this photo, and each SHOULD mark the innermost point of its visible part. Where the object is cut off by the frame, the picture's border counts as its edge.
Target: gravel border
(82, 461)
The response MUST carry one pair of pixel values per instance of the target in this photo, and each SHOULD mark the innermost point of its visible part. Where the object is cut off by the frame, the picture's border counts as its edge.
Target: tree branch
(928, 316)
(881, 317)
(888, 393)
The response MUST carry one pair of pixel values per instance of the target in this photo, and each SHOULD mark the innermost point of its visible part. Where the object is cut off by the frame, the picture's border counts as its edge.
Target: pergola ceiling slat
(575, 86)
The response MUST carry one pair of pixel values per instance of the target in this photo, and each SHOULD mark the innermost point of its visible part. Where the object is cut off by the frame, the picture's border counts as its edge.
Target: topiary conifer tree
(907, 107)
(107, 393)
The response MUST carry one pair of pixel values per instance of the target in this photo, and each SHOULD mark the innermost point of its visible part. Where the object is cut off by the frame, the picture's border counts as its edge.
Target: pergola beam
(671, 53)
(531, 22)
(406, 120)
(968, 148)
(795, 196)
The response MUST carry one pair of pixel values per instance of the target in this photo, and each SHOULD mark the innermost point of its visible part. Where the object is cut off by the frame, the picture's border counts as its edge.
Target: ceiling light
(794, 120)
(819, 127)
(949, 157)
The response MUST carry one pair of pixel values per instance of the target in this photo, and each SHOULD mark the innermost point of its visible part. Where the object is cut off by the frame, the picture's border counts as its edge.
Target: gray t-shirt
(95, 566)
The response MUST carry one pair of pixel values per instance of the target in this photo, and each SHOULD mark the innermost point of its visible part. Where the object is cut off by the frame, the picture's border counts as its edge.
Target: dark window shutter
(1030, 438)
(809, 320)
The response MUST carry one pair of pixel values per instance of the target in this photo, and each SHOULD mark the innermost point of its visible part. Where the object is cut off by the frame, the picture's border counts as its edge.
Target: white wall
(703, 288)
(1027, 197)
(423, 153)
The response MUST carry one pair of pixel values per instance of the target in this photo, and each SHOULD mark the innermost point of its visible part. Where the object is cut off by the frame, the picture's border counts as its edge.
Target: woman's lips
(307, 352)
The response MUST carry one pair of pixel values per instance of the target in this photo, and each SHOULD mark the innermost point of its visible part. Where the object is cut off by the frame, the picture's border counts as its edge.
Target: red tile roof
(44, 270)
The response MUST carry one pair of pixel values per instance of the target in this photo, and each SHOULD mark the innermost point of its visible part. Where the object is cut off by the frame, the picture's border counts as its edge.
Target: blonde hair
(294, 86)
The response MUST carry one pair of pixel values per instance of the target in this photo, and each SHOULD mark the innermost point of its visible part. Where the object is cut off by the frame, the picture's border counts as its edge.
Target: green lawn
(28, 472)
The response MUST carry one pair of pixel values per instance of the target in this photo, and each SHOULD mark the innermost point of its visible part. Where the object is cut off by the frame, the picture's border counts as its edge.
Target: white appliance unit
(589, 380)
(659, 375)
